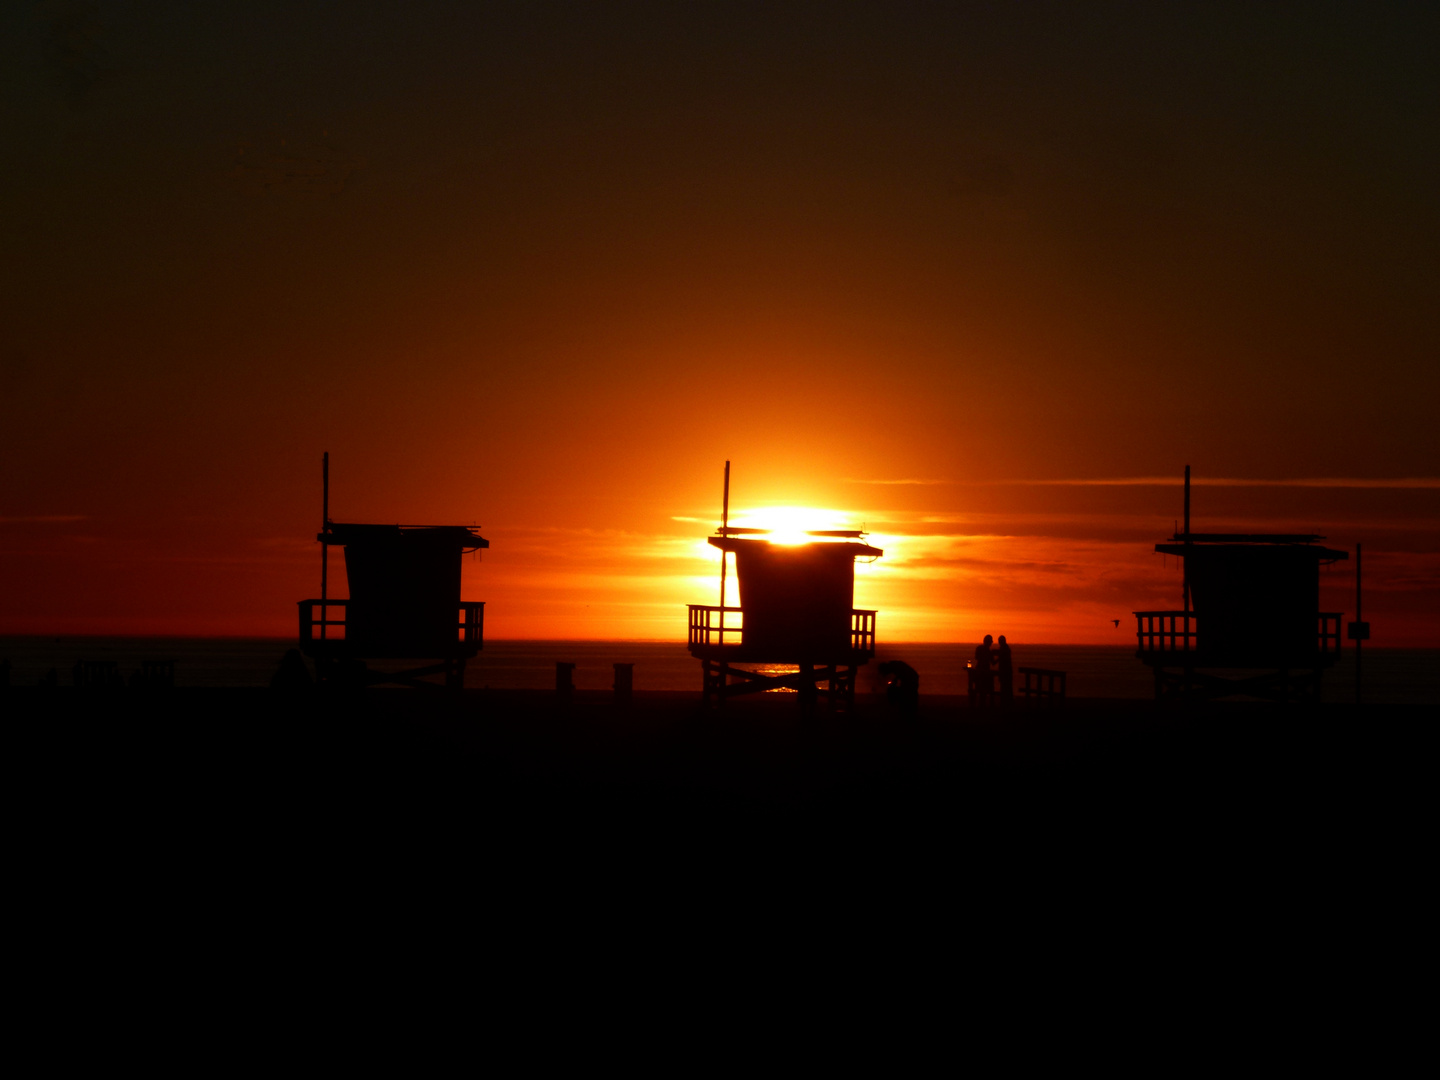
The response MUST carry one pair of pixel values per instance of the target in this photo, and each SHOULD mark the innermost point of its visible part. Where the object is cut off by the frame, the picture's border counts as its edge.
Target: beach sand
(261, 845)
(532, 759)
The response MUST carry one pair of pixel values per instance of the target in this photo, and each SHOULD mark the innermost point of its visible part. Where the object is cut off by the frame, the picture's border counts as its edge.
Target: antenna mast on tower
(724, 531)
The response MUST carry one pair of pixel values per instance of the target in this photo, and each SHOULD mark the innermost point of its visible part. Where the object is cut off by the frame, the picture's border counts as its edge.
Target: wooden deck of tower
(796, 610)
(1251, 623)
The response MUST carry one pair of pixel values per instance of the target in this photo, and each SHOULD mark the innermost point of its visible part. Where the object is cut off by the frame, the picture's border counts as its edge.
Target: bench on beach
(1042, 684)
(96, 674)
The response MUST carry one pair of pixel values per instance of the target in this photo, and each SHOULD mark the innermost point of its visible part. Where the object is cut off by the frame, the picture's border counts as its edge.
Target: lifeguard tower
(796, 610)
(404, 603)
(1251, 622)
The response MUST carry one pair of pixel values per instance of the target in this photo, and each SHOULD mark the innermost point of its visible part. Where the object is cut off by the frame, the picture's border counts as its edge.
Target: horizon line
(1407, 483)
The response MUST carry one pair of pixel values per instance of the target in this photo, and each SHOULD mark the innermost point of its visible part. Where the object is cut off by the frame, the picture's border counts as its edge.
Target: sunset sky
(979, 279)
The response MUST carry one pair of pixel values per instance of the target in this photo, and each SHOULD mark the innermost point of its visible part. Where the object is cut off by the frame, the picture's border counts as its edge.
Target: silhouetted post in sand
(1359, 621)
(1359, 630)
(624, 683)
(564, 680)
(324, 547)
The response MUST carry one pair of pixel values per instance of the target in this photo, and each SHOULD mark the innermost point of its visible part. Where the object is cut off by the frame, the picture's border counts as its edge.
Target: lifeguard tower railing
(1175, 636)
(326, 633)
(722, 630)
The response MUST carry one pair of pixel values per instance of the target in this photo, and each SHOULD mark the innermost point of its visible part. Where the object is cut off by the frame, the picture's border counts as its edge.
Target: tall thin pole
(1185, 560)
(324, 540)
(1359, 618)
(724, 531)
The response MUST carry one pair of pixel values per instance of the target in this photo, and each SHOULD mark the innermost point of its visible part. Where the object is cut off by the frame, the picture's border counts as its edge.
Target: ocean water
(1391, 675)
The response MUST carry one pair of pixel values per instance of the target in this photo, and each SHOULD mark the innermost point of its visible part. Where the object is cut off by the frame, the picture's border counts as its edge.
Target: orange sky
(545, 268)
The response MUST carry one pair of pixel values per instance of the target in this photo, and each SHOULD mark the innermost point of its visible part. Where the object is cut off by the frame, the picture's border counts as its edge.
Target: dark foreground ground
(545, 830)
(501, 769)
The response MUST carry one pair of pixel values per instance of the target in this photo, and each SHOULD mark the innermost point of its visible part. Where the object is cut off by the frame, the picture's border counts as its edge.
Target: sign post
(1359, 630)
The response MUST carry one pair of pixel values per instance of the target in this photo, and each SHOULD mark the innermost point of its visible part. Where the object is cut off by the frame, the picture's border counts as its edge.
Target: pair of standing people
(991, 661)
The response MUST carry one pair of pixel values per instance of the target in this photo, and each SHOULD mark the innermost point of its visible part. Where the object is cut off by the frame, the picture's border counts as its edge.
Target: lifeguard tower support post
(1251, 622)
(796, 609)
(404, 603)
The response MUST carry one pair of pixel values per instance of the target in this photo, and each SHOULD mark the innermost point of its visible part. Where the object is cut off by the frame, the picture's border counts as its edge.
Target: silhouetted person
(1007, 675)
(292, 673)
(902, 685)
(984, 667)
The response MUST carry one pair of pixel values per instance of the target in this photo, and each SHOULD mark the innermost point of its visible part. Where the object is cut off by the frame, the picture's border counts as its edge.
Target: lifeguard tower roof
(1176, 545)
(857, 551)
(462, 536)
